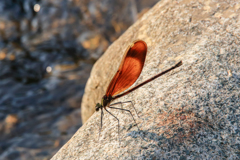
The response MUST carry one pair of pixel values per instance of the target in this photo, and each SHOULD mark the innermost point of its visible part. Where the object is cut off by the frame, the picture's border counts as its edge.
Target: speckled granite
(190, 113)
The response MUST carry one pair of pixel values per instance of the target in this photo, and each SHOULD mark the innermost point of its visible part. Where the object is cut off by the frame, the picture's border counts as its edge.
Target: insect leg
(117, 104)
(132, 106)
(118, 123)
(101, 124)
(127, 111)
(126, 102)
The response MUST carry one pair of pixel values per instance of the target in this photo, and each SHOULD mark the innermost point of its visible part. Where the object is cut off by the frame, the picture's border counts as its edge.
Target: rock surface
(47, 50)
(190, 113)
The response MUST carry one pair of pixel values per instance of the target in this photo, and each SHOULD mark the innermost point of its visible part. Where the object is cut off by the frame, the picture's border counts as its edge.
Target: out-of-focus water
(47, 49)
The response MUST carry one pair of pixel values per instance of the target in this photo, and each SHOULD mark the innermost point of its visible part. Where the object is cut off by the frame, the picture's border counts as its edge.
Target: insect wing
(129, 69)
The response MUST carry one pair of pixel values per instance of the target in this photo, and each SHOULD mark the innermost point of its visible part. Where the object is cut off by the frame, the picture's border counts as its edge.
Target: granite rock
(191, 112)
(47, 49)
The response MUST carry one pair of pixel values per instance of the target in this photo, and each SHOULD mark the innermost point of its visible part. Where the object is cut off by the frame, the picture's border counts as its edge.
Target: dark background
(45, 60)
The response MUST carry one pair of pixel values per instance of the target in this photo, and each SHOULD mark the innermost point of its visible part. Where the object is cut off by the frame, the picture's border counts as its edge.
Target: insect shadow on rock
(128, 72)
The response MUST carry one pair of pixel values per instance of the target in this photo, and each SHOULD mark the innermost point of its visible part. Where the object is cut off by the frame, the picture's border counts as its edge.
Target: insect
(128, 72)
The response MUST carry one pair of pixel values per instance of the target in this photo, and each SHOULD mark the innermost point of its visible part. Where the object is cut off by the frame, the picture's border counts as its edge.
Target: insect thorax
(106, 101)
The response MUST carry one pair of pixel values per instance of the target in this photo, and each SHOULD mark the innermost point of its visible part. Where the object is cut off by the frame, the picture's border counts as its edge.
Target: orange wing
(129, 69)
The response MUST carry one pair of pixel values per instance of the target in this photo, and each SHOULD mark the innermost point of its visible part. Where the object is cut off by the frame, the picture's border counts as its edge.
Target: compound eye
(98, 106)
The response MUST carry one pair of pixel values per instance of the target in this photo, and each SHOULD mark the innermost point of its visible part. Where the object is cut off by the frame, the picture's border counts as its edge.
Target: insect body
(128, 72)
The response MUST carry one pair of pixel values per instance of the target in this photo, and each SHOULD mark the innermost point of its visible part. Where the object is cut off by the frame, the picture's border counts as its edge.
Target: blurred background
(47, 50)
